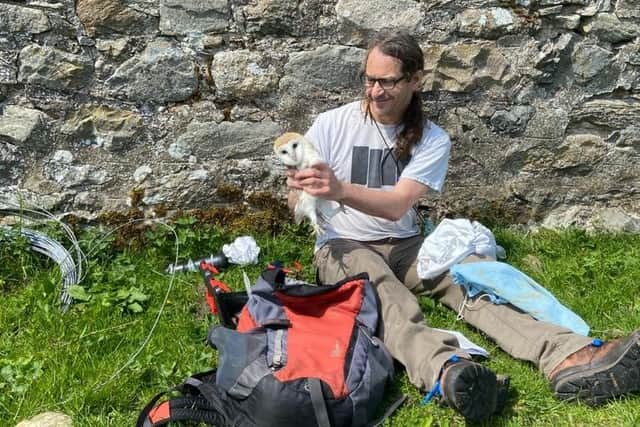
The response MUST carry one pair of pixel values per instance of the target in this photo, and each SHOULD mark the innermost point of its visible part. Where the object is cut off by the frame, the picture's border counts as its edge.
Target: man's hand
(318, 180)
(292, 182)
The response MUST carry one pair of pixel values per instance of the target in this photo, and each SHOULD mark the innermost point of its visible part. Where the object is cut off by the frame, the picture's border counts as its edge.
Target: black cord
(421, 219)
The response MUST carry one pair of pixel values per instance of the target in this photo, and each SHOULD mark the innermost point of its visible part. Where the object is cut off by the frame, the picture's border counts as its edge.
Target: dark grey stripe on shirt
(374, 167)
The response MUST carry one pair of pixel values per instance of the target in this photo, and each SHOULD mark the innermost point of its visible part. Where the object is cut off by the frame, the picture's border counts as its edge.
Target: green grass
(81, 363)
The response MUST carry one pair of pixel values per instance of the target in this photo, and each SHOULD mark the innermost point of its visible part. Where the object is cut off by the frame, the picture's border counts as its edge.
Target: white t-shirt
(354, 149)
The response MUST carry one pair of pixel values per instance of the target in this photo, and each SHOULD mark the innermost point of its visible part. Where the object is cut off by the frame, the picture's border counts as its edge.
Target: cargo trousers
(391, 265)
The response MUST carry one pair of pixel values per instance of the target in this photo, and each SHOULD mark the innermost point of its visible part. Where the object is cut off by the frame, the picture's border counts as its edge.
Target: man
(382, 156)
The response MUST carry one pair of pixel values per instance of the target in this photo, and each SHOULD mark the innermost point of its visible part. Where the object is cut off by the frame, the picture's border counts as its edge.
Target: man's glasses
(386, 84)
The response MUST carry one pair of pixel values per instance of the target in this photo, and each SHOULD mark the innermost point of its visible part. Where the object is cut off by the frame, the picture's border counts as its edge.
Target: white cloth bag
(451, 242)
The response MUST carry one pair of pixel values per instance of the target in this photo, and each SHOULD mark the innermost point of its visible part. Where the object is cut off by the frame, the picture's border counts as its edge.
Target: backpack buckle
(212, 284)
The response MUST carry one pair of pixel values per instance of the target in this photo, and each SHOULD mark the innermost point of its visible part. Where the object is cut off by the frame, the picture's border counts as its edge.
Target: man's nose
(377, 89)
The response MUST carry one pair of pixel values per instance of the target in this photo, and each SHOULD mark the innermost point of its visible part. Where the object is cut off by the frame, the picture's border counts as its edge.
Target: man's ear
(417, 80)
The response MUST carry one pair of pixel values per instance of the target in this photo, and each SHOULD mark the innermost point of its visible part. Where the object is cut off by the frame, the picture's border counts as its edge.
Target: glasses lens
(386, 84)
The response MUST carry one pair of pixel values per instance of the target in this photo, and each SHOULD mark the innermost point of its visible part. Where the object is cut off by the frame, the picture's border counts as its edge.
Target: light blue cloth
(504, 283)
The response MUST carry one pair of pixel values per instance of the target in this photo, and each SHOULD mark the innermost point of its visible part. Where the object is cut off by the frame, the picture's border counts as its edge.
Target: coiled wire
(71, 269)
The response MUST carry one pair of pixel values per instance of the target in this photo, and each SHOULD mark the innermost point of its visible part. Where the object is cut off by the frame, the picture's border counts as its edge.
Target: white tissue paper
(244, 250)
(451, 242)
(466, 344)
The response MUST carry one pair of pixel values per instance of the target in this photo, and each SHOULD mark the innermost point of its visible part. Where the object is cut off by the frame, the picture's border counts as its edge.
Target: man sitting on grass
(382, 155)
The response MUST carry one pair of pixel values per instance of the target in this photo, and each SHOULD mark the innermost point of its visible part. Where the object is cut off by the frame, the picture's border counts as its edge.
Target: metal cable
(71, 270)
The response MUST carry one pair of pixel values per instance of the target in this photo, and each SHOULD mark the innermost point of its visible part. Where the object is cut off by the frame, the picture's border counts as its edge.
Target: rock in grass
(47, 419)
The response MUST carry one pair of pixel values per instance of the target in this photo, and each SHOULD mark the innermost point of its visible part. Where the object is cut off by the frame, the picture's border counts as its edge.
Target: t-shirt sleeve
(430, 159)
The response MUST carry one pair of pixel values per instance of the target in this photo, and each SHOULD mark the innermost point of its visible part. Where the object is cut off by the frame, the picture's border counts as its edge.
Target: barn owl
(297, 152)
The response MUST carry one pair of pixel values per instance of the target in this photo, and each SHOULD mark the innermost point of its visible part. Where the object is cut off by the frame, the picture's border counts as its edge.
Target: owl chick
(297, 152)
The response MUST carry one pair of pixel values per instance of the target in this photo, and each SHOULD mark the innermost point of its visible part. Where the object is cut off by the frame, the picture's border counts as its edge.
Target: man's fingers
(305, 174)
(306, 181)
(318, 170)
(320, 166)
(313, 182)
(294, 183)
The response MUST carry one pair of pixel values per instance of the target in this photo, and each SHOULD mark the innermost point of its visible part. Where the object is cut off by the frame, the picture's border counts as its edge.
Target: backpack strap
(188, 408)
(208, 390)
(151, 414)
(390, 410)
(202, 401)
(319, 405)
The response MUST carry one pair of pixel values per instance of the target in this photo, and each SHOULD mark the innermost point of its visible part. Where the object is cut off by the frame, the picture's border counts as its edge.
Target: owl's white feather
(297, 152)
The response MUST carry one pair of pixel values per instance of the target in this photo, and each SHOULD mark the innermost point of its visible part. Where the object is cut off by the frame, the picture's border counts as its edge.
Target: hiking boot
(599, 372)
(472, 389)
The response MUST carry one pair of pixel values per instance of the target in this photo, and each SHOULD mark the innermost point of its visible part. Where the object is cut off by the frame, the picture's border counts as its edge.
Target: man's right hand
(319, 181)
(292, 182)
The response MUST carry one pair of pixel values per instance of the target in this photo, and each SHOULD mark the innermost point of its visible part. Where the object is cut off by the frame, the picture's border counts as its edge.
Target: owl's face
(289, 149)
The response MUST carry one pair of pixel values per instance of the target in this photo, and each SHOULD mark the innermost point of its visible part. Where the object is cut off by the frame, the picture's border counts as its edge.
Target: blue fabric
(504, 283)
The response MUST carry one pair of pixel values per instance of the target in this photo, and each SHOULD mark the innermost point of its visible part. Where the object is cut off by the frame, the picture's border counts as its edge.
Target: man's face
(388, 105)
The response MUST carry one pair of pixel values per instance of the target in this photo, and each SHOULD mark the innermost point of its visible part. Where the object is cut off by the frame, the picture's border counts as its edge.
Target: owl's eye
(295, 145)
(283, 151)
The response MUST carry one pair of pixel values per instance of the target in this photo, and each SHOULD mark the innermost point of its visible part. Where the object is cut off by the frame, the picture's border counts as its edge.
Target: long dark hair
(402, 46)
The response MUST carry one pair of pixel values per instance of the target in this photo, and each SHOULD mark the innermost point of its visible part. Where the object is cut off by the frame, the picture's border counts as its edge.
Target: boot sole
(472, 390)
(598, 385)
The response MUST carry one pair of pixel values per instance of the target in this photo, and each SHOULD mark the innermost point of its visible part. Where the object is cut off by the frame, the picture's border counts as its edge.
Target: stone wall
(174, 103)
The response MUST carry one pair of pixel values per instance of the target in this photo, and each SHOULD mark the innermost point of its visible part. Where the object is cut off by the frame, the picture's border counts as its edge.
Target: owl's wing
(311, 156)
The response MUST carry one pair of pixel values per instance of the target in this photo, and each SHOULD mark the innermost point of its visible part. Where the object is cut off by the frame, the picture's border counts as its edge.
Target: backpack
(301, 355)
